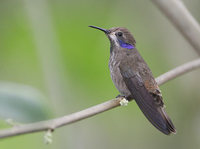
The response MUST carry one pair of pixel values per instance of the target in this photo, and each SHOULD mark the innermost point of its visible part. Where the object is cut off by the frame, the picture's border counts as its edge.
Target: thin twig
(174, 73)
(178, 14)
(68, 119)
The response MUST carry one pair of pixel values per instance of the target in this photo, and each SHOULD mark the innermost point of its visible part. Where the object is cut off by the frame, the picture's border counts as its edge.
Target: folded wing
(154, 112)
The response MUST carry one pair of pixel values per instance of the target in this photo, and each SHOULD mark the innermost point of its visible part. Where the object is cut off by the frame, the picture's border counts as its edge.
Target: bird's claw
(120, 96)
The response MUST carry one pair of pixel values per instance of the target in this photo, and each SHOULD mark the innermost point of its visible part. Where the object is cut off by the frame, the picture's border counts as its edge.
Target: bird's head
(119, 37)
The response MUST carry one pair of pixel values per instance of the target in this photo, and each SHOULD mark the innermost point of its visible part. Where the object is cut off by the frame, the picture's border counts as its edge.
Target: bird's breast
(116, 77)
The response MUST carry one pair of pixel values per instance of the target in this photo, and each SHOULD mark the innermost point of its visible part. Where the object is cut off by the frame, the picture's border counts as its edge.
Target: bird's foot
(120, 96)
(129, 98)
(124, 101)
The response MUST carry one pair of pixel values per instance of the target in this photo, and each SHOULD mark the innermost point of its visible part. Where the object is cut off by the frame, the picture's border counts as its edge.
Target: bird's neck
(126, 45)
(120, 49)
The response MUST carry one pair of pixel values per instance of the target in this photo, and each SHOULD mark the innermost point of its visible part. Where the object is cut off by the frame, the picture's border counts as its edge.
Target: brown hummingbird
(133, 78)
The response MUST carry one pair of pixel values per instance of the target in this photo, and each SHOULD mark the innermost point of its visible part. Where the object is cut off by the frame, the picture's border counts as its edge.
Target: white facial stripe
(114, 38)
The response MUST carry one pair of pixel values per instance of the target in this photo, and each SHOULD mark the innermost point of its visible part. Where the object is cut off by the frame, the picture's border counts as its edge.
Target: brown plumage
(134, 80)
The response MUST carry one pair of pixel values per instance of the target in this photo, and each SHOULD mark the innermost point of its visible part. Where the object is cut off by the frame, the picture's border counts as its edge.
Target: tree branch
(180, 70)
(178, 14)
(68, 119)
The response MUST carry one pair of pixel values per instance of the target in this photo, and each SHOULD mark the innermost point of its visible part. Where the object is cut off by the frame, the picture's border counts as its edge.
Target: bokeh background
(52, 64)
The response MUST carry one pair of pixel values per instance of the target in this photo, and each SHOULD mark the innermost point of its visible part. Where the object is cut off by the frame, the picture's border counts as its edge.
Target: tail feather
(156, 115)
(146, 102)
(169, 123)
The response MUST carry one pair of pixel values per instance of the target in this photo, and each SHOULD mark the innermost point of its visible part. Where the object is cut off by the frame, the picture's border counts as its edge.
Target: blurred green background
(52, 64)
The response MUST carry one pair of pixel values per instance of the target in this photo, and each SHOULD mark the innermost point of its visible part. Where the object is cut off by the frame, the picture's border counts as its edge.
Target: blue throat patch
(125, 45)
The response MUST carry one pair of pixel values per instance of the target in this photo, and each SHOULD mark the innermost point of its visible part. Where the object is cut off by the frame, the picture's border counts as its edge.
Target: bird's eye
(119, 33)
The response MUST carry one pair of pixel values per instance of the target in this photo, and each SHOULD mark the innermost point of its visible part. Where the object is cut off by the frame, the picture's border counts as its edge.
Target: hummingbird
(134, 79)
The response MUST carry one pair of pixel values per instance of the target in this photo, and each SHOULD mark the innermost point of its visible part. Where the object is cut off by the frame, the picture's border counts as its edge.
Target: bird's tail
(156, 115)
(153, 111)
(169, 123)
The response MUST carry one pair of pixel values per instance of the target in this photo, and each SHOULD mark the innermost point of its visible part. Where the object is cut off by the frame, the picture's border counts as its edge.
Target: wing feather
(146, 102)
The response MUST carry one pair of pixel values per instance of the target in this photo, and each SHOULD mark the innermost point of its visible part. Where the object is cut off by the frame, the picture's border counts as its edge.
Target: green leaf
(21, 103)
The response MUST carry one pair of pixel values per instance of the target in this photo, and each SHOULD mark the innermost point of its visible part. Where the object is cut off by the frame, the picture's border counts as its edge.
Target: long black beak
(104, 30)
